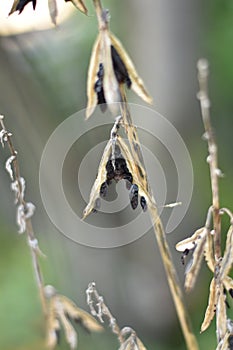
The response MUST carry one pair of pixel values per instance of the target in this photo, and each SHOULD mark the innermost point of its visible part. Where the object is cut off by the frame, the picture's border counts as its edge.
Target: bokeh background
(43, 81)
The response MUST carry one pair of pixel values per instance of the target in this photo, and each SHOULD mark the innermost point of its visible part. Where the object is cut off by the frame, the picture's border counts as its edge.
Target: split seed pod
(109, 56)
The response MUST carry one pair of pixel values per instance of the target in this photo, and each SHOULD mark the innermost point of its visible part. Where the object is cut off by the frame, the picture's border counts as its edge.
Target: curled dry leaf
(190, 242)
(61, 311)
(198, 253)
(227, 260)
(132, 343)
(221, 315)
(79, 315)
(211, 308)
(19, 5)
(79, 4)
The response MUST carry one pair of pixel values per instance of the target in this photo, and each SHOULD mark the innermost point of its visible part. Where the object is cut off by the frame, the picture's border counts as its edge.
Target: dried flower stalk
(24, 219)
(207, 240)
(127, 337)
(132, 154)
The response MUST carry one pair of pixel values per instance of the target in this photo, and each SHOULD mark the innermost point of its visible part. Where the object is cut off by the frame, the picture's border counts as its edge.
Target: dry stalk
(108, 83)
(25, 210)
(127, 336)
(206, 241)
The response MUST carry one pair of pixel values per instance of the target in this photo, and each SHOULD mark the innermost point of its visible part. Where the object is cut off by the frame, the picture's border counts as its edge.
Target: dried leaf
(91, 78)
(2, 137)
(208, 253)
(79, 315)
(70, 334)
(198, 253)
(211, 308)
(137, 83)
(190, 242)
(227, 260)
(53, 326)
(132, 343)
(221, 315)
(52, 5)
(79, 4)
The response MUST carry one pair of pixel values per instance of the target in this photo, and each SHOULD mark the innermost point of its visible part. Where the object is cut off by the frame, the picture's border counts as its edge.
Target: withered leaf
(198, 253)
(221, 315)
(132, 343)
(208, 253)
(211, 308)
(19, 5)
(80, 315)
(227, 260)
(53, 326)
(190, 242)
(70, 334)
(79, 4)
(52, 5)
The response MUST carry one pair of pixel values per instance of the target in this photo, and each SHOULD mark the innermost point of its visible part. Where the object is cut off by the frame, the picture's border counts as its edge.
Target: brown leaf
(79, 4)
(53, 326)
(227, 259)
(221, 315)
(80, 315)
(190, 242)
(211, 308)
(198, 253)
(52, 5)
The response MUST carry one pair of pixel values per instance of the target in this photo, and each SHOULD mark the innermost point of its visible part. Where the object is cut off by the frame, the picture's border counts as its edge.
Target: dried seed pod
(133, 196)
(80, 5)
(143, 203)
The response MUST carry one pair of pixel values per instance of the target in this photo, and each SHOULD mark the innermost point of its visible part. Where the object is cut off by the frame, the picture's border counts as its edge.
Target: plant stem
(32, 242)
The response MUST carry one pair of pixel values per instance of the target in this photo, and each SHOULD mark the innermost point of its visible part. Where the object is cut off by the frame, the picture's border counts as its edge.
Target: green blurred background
(42, 82)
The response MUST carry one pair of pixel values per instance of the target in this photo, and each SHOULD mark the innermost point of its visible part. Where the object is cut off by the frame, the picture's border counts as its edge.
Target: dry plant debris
(127, 336)
(206, 241)
(61, 312)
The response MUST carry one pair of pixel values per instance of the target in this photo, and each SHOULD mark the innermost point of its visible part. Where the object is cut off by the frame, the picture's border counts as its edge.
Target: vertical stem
(203, 71)
(29, 227)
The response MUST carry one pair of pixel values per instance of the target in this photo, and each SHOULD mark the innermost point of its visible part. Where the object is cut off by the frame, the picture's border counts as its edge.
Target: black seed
(110, 170)
(230, 342)
(128, 180)
(231, 292)
(23, 3)
(184, 255)
(103, 189)
(133, 196)
(99, 88)
(143, 203)
(58, 335)
(119, 68)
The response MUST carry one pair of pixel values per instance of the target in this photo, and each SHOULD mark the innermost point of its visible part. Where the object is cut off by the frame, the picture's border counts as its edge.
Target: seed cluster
(121, 74)
(119, 171)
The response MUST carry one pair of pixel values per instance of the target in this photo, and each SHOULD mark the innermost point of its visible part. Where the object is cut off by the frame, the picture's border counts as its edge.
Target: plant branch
(203, 71)
(32, 241)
